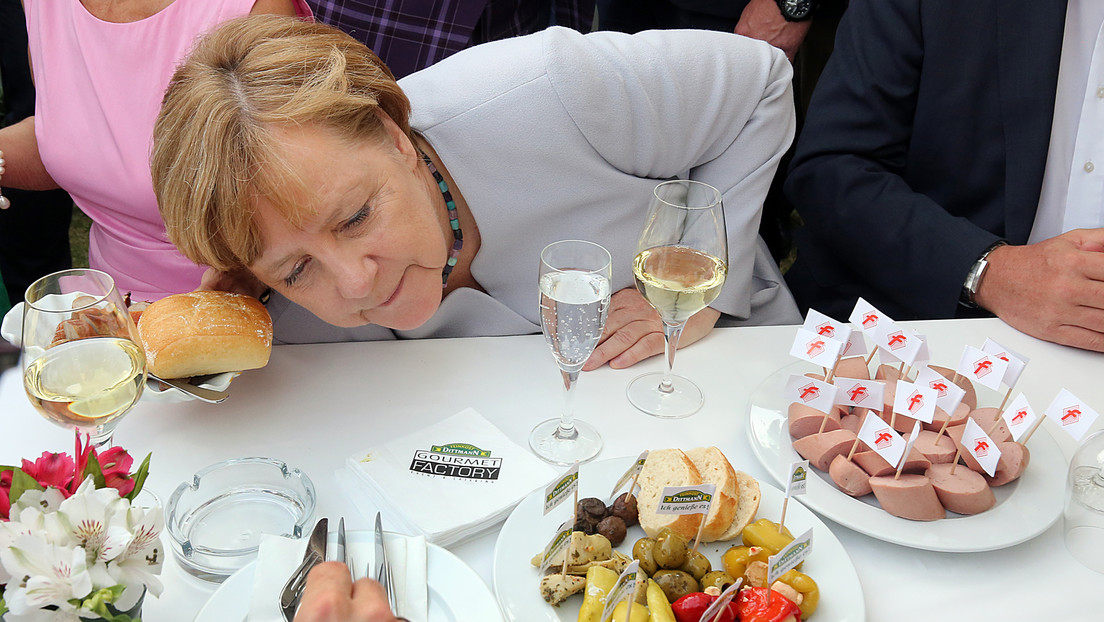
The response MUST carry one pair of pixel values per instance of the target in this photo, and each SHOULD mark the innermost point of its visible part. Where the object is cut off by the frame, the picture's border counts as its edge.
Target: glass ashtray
(216, 520)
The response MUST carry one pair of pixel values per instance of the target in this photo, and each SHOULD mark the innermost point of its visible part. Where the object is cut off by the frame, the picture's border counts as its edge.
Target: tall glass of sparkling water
(680, 266)
(574, 288)
(83, 366)
(1084, 510)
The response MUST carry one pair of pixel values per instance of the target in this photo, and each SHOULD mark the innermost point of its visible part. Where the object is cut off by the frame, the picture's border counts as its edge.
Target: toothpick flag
(883, 439)
(915, 400)
(980, 446)
(1071, 414)
(826, 327)
(985, 369)
(866, 317)
(859, 392)
(902, 343)
(1016, 362)
(811, 392)
(1019, 417)
(819, 350)
(948, 394)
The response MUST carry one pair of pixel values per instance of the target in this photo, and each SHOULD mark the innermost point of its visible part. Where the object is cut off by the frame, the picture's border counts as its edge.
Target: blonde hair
(214, 147)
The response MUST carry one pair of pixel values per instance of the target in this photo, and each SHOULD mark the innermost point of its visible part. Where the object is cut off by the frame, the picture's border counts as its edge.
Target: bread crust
(715, 469)
(666, 467)
(205, 332)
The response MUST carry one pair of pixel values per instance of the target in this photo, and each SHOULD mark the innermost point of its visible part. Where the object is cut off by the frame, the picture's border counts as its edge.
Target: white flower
(141, 561)
(51, 574)
(88, 516)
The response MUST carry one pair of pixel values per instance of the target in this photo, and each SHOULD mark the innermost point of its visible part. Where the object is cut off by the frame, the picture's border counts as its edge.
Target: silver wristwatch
(973, 277)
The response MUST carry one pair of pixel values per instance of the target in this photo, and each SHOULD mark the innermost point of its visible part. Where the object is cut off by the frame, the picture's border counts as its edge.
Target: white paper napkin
(448, 481)
(278, 557)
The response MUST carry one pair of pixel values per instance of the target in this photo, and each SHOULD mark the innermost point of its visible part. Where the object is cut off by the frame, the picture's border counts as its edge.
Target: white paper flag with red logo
(902, 343)
(913, 435)
(826, 327)
(811, 392)
(914, 400)
(856, 344)
(859, 392)
(1019, 417)
(883, 439)
(923, 355)
(980, 446)
(982, 368)
(1071, 414)
(809, 346)
(948, 395)
(866, 317)
(1016, 362)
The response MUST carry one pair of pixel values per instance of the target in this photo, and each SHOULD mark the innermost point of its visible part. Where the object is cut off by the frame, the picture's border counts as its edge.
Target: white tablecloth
(315, 405)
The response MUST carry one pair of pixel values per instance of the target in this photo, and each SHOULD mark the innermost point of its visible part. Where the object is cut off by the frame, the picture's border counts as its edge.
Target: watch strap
(973, 277)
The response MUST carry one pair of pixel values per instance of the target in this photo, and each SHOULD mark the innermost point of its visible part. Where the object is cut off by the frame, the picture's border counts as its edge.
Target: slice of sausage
(901, 423)
(853, 367)
(820, 449)
(970, 399)
(938, 449)
(849, 476)
(986, 417)
(888, 373)
(806, 420)
(910, 496)
(876, 465)
(852, 422)
(955, 432)
(964, 492)
(958, 418)
(1013, 461)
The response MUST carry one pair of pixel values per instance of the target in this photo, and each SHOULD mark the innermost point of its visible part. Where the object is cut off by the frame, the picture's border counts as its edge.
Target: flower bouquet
(73, 545)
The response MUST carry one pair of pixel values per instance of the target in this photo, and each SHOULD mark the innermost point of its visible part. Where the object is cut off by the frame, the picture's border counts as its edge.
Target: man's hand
(634, 331)
(1053, 290)
(236, 282)
(762, 20)
(331, 596)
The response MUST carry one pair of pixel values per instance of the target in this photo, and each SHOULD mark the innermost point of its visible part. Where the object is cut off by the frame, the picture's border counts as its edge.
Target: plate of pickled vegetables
(825, 587)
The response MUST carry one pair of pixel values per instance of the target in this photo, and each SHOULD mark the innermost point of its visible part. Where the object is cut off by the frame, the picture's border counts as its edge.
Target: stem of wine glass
(671, 334)
(102, 439)
(567, 431)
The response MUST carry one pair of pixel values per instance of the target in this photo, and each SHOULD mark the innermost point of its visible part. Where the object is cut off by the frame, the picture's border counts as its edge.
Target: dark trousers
(34, 231)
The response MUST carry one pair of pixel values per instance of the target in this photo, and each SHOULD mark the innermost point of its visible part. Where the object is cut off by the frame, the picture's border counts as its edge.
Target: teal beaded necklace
(454, 221)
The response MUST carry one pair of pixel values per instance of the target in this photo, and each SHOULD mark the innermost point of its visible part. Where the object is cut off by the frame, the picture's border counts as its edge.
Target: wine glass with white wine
(574, 288)
(680, 265)
(83, 365)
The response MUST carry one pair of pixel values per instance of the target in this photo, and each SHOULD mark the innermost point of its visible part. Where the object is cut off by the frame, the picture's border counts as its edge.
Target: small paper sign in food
(557, 544)
(884, 440)
(825, 326)
(694, 499)
(902, 343)
(866, 317)
(631, 473)
(915, 400)
(981, 447)
(948, 395)
(982, 368)
(560, 489)
(799, 475)
(1071, 414)
(859, 392)
(621, 597)
(1016, 362)
(713, 611)
(788, 558)
(811, 392)
(1019, 417)
(819, 350)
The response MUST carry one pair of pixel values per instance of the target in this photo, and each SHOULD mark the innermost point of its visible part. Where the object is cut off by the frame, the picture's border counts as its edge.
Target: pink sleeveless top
(99, 88)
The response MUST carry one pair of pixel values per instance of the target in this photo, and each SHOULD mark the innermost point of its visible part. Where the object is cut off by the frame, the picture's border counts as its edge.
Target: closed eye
(296, 272)
(358, 218)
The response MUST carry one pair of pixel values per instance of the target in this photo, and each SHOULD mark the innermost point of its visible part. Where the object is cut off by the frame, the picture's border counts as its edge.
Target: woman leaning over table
(315, 171)
(100, 68)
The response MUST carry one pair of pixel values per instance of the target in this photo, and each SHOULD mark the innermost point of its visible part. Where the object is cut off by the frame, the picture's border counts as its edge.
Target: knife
(383, 569)
(207, 395)
(314, 555)
(340, 553)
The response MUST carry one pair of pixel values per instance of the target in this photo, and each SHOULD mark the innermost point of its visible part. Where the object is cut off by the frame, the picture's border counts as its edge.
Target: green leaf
(21, 482)
(94, 469)
(139, 477)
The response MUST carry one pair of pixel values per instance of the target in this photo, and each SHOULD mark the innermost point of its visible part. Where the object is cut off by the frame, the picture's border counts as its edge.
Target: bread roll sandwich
(205, 332)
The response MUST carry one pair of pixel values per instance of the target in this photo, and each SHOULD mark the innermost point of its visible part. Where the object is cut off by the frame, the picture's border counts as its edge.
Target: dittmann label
(686, 499)
(457, 460)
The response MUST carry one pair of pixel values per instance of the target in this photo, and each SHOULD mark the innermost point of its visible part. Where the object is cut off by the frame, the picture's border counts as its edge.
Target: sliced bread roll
(715, 469)
(747, 507)
(666, 467)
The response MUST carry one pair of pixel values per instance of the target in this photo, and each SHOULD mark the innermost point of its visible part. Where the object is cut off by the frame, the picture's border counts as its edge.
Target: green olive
(675, 584)
(642, 551)
(696, 565)
(669, 550)
(717, 578)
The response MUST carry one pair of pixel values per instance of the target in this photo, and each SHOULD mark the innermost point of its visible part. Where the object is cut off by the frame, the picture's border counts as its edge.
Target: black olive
(625, 508)
(613, 528)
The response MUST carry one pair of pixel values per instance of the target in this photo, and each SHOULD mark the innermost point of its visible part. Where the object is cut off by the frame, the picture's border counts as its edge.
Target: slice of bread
(666, 467)
(747, 507)
(715, 469)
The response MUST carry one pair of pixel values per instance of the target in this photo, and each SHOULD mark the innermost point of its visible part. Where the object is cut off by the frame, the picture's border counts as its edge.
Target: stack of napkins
(449, 481)
(278, 557)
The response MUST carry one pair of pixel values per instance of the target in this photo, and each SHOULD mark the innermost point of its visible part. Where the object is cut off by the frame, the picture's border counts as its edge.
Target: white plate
(1025, 508)
(528, 530)
(456, 592)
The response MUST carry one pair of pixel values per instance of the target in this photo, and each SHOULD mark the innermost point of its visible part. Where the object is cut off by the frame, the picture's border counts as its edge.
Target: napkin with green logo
(448, 481)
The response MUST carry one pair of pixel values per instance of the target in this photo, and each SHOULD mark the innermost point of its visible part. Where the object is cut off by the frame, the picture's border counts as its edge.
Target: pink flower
(56, 470)
(5, 491)
(116, 463)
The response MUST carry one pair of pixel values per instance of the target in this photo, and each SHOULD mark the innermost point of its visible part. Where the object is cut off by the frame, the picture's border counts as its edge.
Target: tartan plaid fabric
(412, 34)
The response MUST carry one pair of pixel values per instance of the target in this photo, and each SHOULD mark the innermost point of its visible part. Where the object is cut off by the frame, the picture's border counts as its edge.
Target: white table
(315, 405)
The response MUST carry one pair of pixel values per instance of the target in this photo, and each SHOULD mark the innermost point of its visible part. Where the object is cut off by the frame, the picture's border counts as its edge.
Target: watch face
(796, 9)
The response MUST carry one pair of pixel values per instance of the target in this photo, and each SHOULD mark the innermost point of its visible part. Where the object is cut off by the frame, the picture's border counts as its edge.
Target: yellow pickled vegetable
(658, 607)
(764, 533)
(736, 559)
(639, 613)
(804, 584)
(599, 581)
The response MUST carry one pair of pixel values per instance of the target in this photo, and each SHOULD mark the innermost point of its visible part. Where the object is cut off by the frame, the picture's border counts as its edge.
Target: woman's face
(372, 244)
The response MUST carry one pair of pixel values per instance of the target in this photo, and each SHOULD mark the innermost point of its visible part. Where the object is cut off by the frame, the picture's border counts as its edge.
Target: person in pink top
(100, 68)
